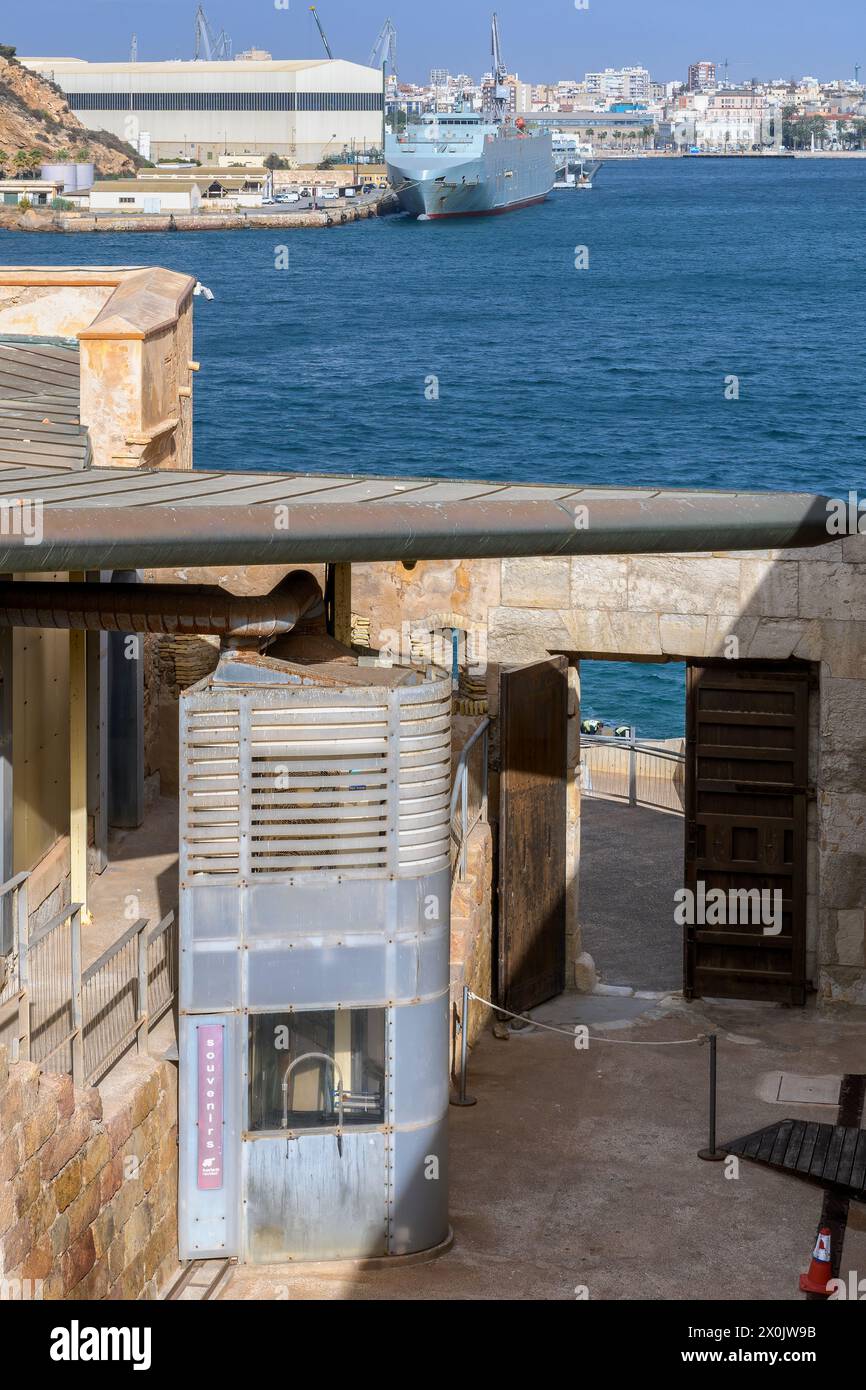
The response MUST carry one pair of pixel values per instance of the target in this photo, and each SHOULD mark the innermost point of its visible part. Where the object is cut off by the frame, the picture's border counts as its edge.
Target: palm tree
(4, 160)
(23, 163)
(648, 132)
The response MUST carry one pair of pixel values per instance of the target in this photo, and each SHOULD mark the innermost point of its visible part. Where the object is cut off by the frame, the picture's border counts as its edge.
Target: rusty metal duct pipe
(185, 609)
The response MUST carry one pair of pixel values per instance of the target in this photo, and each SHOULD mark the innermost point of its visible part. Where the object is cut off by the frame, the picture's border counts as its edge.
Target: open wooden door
(746, 803)
(533, 711)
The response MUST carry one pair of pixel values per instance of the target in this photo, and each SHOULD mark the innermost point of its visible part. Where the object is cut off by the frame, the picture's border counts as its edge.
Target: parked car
(329, 193)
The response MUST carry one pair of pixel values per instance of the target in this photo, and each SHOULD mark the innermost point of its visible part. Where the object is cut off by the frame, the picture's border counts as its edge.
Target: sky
(543, 40)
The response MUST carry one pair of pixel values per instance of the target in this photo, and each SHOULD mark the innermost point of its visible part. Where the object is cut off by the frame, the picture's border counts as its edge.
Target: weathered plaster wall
(134, 328)
(49, 311)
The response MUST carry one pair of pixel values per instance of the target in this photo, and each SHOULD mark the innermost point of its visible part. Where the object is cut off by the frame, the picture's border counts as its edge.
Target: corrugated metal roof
(39, 405)
(133, 518)
(144, 187)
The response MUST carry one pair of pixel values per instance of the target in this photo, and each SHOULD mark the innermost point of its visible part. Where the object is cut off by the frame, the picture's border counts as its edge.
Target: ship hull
(509, 173)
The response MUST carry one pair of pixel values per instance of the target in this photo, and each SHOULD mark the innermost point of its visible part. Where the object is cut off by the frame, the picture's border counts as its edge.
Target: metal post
(23, 932)
(464, 817)
(77, 1024)
(712, 1154)
(485, 753)
(462, 1098)
(143, 1002)
(632, 772)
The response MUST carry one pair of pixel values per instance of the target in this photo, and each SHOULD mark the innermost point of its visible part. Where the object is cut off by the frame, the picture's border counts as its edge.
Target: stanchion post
(711, 1154)
(462, 1098)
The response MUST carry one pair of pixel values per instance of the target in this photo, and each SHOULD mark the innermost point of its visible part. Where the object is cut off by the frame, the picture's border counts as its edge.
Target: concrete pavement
(578, 1170)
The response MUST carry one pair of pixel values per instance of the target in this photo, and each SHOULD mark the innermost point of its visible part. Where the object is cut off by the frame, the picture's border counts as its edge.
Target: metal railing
(82, 1022)
(14, 999)
(468, 796)
(125, 992)
(635, 773)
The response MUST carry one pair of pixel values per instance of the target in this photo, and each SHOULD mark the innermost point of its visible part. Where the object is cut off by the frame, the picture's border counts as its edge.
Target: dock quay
(339, 214)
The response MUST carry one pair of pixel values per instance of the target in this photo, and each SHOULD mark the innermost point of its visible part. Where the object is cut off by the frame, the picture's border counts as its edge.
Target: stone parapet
(88, 1182)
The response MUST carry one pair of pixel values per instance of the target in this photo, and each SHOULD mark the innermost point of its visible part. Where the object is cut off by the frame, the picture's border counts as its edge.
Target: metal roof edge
(158, 536)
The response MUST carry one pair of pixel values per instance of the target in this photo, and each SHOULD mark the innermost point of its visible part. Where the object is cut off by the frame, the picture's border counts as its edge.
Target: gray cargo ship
(470, 164)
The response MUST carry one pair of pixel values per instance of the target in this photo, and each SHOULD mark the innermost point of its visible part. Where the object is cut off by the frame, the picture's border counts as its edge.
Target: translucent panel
(362, 970)
(422, 964)
(210, 979)
(421, 1062)
(321, 907)
(210, 914)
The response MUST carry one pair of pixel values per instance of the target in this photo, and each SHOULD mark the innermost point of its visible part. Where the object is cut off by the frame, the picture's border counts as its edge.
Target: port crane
(314, 12)
(210, 49)
(500, 99)
(133, 49)
(385, 48)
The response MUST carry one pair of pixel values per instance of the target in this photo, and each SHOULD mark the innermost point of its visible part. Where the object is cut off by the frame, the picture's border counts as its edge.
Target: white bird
(202, 289)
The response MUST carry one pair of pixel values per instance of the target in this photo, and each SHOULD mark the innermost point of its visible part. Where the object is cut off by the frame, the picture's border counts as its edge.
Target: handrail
(460, 791)
(464, 757)
(163, 926)
(669, 772)
(113, 950)
(84, 1021)
(12, 883)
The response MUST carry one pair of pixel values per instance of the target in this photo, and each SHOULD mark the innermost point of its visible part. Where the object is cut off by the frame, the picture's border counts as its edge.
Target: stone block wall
(472, 929)
(809, 605)
(88, 1181)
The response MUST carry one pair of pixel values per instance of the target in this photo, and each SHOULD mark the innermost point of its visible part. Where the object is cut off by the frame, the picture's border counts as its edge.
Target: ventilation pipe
(175, 609)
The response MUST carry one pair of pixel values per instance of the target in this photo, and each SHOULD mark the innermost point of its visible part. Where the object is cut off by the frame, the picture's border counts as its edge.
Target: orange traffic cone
(817, 1279)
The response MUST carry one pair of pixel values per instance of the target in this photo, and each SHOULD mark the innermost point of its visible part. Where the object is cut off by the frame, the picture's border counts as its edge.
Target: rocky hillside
(35, 120)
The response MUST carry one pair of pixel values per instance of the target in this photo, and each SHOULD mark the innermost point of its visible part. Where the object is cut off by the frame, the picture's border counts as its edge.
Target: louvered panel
(322, 767)
(319, 779)
(267, 720)
(307, 863)
(424, 780)
(284, 751)
(276, 800)
(212, 811)
(355, 812)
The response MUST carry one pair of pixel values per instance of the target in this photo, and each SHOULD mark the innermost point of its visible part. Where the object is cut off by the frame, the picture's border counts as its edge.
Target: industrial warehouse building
(300, 110)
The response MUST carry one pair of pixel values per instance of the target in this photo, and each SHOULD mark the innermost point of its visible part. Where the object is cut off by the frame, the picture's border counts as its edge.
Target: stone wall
(472, 930)
(88, 1181)
(809, 605)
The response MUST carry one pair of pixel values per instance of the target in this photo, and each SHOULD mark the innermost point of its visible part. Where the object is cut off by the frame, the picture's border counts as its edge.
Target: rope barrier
(711, 1153)
(569, 1032)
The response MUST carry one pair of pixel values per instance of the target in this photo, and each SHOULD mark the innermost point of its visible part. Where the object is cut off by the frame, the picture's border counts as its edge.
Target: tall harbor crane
(210, 49)
(133, 49)
(501, 96)
(314, 12)
(385, 48)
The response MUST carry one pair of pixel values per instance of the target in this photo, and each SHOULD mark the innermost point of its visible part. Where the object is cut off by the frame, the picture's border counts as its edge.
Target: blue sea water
(699, 270)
